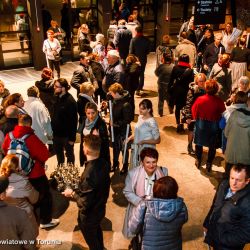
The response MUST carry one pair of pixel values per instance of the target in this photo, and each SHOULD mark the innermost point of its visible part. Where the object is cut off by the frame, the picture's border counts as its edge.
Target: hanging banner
(210, 11)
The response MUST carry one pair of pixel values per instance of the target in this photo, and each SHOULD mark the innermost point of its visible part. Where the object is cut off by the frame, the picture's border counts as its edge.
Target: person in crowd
(41, 122)
(139, 183)
(122, 39)
(115, 72)
(163, 72)
(95, 62)
(98, 46)
(11, 113)
(20, 192)
(237, 132)
(17, 100)
(137, 18)
(23, 28)
(83, 39)
(131, 25)
(206, 112)
(223, 75)
(46, 89)
(46, 19)
(52, 48)
(211, 53)
(160, 218)
(202, 44)
(132, 74)
(196, 89)
(86, 95)
(124, 11)
(140, 47)
(185, 46)
(15, 221)
(65, 22)
(146, 132)
(162, 49)
(104, 62)
(239, 101)
(4, 93)
(37, 177)
(83, 73)
(59, 33)
(64, 122)
(92, 193)
(240, 58)
(122, 116)
(229, 37)
(111, 30)
(94, 124)
(243, 85)
(182, 75)
(228, 220)
(186, 25)
(200, 32)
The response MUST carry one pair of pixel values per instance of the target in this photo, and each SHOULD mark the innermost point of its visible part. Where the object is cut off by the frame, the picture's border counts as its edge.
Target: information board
(210, 11)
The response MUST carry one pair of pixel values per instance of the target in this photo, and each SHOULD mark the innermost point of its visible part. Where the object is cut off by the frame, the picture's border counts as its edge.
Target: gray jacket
(162, 223)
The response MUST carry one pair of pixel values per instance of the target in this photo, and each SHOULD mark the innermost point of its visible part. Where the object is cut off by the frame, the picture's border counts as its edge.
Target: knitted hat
(114, 53)
(4, 183)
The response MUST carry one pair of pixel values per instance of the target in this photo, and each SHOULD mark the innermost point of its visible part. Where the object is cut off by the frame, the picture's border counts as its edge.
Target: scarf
(139, 180)
(184, 64)
(89, 125)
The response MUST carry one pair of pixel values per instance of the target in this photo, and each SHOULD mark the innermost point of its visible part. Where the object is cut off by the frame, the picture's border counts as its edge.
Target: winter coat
(93, 191)
(17, 226)
(22, 194)
(162, 223)
(223, 76)
(114, 73)
(228, 221)
(122, 113)
(237, 132)
(9, 125)
(140, 46)
(193, 93)
(84, 42)
(64, 118)
(160, 50)
(41, 122)
(122, 40)
(178, 86)
(210, 55)
(38, 151)
(186, 47)
(163, 72)
(46, 90)
(82, 74)
(101, 127)
(132, 73)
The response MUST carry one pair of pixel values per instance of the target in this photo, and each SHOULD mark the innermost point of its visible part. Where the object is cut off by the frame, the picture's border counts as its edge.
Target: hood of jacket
(45, 85)
(17, 182)
(230, 109)
(125, 97)
(165, 210)
(243, 117)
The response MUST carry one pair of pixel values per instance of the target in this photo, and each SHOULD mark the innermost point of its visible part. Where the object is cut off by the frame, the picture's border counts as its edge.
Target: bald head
(11, 111)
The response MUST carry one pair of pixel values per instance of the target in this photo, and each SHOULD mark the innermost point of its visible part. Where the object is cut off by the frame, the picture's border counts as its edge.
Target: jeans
(41, 184)
(61, 144)
(211, 153)
(55, 64)
(118, 146)
(141, 79)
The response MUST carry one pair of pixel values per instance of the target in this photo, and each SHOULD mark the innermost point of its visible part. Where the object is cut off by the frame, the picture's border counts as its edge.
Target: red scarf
(184, 64)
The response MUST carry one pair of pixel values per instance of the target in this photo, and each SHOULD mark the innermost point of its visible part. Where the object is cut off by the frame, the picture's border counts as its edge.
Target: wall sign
(210, 11)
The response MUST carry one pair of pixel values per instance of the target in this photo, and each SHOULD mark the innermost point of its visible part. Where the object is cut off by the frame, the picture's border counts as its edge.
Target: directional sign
(210, 11)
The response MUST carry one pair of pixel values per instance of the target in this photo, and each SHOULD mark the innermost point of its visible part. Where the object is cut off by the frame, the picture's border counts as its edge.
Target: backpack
(19, 148)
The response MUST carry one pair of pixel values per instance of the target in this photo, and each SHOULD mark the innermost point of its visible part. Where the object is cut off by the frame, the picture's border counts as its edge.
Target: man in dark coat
(92, 194)
(11, 114)
(227, 224)
(115, 72)
(64, 122)
(83, 73)
(122, 39)
(140, 46)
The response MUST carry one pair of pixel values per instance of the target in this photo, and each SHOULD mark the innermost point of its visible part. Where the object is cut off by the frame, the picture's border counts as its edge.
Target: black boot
(114, 167)
(190, 149)
(180, 128)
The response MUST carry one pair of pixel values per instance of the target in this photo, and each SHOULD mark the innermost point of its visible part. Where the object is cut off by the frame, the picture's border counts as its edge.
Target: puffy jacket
(162, 224)
(38, 151)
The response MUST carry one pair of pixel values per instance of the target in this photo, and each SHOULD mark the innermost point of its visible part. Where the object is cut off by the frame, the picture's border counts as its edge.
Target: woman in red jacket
(207, 111)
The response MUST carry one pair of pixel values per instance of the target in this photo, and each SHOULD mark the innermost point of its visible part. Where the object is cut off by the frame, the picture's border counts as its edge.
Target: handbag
(56, 55)
(136, 242)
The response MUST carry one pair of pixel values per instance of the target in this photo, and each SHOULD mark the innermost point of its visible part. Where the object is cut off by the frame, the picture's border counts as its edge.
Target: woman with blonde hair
(20, 192)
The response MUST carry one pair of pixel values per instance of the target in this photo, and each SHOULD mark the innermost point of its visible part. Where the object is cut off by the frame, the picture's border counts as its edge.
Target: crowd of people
(204, 82)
